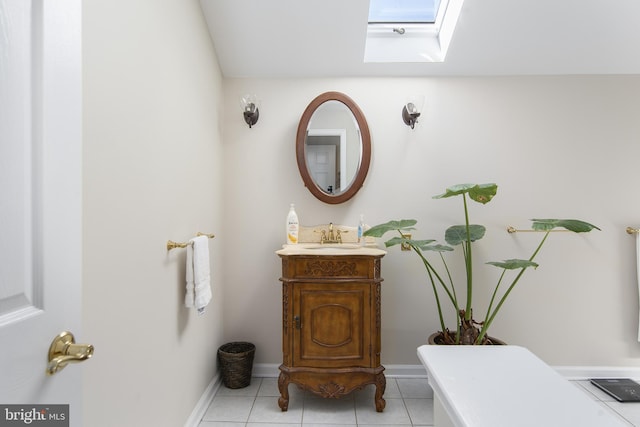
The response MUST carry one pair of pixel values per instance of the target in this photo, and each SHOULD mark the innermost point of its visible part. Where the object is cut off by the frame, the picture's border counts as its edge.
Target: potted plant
(468, 330)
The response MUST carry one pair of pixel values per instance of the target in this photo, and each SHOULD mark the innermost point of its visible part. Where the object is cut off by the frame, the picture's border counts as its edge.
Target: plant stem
(495, 292)
(433, 271)
(489, 320)
(453, 288)
(455, 300)
(467, 260)
(435, 293)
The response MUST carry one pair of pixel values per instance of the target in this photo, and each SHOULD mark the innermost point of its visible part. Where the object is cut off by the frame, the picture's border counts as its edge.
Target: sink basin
(329, 249)
(323, 246)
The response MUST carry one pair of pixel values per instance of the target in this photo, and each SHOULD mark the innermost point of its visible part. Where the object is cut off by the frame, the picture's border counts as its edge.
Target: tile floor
(409, 403)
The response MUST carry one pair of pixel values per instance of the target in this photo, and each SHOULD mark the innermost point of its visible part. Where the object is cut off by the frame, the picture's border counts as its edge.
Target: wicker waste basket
(236, 362)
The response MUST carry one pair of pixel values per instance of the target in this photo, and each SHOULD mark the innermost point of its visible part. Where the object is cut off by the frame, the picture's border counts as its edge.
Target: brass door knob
(64, 350)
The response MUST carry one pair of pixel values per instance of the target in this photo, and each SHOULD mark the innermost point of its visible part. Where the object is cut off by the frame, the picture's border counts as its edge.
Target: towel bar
(631, 230)
(172, 245)
(511, 229)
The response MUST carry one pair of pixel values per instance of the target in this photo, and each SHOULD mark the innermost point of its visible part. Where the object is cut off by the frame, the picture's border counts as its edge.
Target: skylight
(410, 30)
(403, 11)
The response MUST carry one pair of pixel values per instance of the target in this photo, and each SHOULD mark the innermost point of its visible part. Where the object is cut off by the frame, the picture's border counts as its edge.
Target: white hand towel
(198, 276)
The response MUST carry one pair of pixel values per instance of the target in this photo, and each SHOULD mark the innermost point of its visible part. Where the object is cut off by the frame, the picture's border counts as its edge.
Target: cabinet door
(334, 327)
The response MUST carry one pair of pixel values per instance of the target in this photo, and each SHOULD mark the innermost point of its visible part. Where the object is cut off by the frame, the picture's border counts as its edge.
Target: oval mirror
(333, 147)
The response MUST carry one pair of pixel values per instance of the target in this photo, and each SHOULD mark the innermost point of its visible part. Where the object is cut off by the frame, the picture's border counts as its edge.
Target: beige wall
(152, 172)
(556, 146)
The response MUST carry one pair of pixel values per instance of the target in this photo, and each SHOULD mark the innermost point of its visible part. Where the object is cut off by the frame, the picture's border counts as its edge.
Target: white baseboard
(270, 370)
(586, 372)
(405, 371)
(204, 402)
(265, 370)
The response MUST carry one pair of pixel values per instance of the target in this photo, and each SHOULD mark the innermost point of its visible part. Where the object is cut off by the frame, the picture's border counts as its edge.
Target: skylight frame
(413, 42)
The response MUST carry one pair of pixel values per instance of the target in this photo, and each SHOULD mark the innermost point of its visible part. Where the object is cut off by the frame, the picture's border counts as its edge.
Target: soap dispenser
(361, 230)
(292, 226)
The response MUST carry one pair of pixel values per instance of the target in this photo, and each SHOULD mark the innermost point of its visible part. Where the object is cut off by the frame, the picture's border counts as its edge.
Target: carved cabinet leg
(283, 386)
(381, 385)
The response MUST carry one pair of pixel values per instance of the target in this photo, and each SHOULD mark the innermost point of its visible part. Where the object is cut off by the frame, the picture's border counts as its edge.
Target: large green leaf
(481, 193)
(574, 225)
(400, 240)
(436, 248)
(457, 234)
(424, 245)
(514, 264)
(380, 229)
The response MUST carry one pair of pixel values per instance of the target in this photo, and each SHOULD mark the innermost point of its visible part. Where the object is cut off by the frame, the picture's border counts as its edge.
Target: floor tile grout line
(255, 396)
(304, 401)
(407, 409)
(621, 415)
(355, 410)
(253, 405)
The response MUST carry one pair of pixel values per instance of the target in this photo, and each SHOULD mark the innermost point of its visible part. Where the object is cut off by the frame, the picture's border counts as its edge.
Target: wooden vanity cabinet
(331, 325)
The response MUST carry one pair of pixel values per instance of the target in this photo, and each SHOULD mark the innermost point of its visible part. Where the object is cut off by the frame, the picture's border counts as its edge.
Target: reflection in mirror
(333, 147)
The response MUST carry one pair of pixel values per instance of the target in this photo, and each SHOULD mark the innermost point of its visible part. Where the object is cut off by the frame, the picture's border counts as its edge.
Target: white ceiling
(326, 38)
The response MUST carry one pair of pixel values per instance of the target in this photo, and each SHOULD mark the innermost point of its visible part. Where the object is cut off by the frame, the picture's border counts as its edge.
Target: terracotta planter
(435, 339)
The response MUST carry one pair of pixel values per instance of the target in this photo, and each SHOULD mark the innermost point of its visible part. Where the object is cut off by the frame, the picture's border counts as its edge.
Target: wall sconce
(250, 109)
(411, 112)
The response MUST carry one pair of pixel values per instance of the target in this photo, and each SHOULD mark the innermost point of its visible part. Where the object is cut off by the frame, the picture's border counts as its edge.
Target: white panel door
(40, 198)
(321, 161)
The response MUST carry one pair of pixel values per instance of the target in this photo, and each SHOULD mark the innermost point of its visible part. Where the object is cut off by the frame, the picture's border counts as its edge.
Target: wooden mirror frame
(365, 136)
